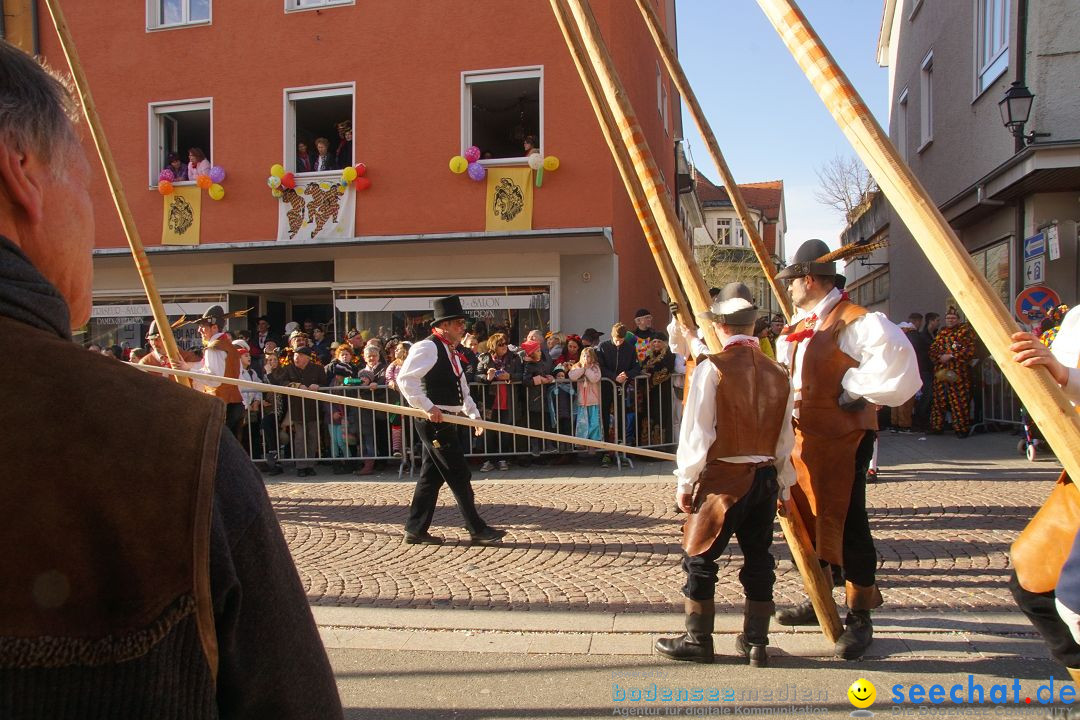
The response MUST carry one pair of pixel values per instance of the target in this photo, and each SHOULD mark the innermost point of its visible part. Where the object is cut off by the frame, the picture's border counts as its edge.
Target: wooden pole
(583, 28)
(674, 68)
(142, 263)
(625, 166)
(1041, 396)
(585, 31)
(324, 396)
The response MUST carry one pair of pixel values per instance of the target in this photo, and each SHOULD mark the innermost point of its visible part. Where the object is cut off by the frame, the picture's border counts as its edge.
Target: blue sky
(767, 118)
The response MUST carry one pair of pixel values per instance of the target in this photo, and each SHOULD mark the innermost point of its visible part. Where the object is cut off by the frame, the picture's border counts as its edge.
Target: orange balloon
(204, 182)
(165, 187)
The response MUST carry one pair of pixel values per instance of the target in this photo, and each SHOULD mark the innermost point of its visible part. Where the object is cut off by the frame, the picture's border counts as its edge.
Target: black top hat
(213, 316)
(806, 261)
(447, 308)
(733, 306)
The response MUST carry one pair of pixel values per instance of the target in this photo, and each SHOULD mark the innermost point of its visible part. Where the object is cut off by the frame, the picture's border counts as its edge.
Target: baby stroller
(1032, 440)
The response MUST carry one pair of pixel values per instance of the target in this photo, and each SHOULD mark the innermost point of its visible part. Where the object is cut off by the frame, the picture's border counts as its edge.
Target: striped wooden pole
(674, 68)
(138, 253)
(582, 26)
(1041, 396)
(625, 165)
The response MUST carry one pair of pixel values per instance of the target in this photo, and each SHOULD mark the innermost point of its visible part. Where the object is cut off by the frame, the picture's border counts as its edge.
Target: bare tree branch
(846, 185)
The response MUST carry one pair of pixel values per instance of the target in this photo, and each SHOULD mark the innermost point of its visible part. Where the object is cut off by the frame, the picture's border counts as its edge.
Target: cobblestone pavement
(582, 538)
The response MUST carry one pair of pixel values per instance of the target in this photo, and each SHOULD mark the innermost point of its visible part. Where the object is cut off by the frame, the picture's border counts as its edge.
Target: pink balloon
(472, 154)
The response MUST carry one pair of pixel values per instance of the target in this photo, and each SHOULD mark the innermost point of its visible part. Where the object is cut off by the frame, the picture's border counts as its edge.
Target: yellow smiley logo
(861, 693)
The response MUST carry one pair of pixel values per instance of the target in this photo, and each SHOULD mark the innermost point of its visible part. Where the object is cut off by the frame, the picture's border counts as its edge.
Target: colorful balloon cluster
(211, 182)
(280, 180)
(541, 164)
(469, 163)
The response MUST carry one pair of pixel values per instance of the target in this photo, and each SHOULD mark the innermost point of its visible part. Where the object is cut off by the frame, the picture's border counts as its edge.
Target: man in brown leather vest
(219, 358)
(144, 574)
(733, 458)
(843, 361)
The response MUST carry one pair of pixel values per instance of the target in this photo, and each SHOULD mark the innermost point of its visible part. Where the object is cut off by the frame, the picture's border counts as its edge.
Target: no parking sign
(1035, 303)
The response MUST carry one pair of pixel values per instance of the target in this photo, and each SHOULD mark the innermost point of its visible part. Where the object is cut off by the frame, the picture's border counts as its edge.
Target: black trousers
(1041, 610)
(608, 397)
(750, 520)
(234, 418)
(443, 464)
(860, 556)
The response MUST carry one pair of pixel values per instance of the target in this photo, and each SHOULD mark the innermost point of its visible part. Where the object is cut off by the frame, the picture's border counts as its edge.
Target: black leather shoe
(697, 644)
(751, 642)
(801, 614)
(487, 536)
(753, 652)
(857, 636)
(422, 539)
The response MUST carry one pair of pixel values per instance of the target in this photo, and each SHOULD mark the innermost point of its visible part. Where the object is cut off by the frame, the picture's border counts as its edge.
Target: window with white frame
(318, 128)
(162, 14)
(926, 101)
(901, 124)
(178, 129)
(992, 42)
(501, 109)
(291, 5)
(723, 231)
(738, 235)
(661, 97)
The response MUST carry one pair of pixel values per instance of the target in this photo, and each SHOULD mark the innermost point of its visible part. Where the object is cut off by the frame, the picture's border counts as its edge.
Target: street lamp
(1015, 109)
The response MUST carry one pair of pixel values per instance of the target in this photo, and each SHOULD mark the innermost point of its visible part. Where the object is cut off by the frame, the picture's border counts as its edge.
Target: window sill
(181, 183)
(915, 10)
(323, 175)
(925, 145)
(504, 162)
(178, 26)
(325, 6)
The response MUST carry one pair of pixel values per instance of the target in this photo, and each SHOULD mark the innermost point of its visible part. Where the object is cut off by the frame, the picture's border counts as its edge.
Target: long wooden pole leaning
(991, 319)
(585, 31)
(674, 68)
(625, 165)
(142, 263)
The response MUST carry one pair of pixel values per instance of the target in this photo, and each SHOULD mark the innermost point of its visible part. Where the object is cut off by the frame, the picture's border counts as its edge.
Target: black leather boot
(801, 614)
(751, 643)
(857, 635)
(696, 645)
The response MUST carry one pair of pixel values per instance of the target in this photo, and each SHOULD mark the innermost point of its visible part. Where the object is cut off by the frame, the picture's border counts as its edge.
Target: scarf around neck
(27, 297)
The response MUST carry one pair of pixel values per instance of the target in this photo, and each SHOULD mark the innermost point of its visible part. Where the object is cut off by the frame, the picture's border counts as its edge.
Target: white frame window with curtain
(991, 42)
(165, 14)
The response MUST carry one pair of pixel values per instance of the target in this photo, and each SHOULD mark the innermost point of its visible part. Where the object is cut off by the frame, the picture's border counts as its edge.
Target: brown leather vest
(107, 527)
(823, 368)
(225, 392)
(751, 400)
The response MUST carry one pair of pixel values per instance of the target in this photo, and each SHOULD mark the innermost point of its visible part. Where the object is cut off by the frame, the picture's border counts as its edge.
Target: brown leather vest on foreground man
(79, 606)
(751, 400)
(826, 436)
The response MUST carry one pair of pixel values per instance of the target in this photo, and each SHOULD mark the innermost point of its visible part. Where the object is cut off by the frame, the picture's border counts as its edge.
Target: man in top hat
(157, 355)
(733, 459)
(432, 378)
(219, 358)
(843, 360)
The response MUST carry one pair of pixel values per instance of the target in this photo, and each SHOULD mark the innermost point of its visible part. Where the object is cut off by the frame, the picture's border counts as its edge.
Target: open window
(313, 115)
(176, 128)
(163, 14)
(501, 108)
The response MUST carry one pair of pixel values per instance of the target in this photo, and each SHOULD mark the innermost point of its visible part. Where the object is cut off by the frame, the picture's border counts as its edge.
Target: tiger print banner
(181, 216)
(509, 204)
(316, 211)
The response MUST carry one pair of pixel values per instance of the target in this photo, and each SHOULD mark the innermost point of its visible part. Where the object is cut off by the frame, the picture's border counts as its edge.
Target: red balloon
(360, 168)
(362, 183)
(288, 181)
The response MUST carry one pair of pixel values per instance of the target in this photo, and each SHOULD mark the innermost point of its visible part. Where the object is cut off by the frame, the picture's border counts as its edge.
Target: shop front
(124, 321)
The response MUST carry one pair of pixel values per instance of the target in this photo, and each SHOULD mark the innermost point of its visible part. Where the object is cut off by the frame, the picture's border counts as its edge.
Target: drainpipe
(1021, 74)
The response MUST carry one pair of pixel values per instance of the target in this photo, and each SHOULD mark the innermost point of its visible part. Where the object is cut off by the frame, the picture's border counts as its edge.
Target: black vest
(441, 385)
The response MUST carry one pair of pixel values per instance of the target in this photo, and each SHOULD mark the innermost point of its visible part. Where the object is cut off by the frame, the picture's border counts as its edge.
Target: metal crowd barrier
(292, 431)
(1000, 406)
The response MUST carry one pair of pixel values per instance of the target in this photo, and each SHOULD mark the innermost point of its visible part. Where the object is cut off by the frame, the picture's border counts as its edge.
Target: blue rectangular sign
(1034, 246)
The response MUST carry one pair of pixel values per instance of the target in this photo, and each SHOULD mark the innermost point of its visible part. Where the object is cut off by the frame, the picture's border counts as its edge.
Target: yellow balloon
(551, 163)
(216, 191)
(277, 170)
(324, 185)
(348, 174)
(276, 193)
(458, 164)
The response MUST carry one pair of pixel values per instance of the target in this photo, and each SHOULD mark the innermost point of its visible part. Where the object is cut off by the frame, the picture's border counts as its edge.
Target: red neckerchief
(789, 333)
(457, 359)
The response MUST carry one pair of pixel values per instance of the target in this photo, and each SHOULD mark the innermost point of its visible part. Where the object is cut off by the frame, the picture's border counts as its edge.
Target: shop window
(993, 263)
(176, 128)
(501, 109)
(162, 14)
(292, 5)
(314, 114)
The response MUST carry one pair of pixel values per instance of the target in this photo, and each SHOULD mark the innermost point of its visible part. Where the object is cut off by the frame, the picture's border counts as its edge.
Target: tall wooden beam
(1041, 396)
(674, 68)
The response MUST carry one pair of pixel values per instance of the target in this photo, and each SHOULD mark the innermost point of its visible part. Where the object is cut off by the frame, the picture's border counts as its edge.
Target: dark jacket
(301, 409)
(536, 395)
(513, 366)
(614, 360)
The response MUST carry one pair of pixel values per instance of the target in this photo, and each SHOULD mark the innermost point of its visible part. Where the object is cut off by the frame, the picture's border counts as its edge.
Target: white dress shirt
(679, 344)
(888, 371)
(418, 362)
(1066, 349)
(699, 426)
(213, 363)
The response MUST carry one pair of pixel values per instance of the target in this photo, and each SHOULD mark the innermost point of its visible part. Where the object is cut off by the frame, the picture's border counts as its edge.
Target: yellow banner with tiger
(509, 203)
(182, 216)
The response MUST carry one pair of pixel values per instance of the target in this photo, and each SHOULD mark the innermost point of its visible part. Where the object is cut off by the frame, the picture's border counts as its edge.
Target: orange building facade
(416, 83)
